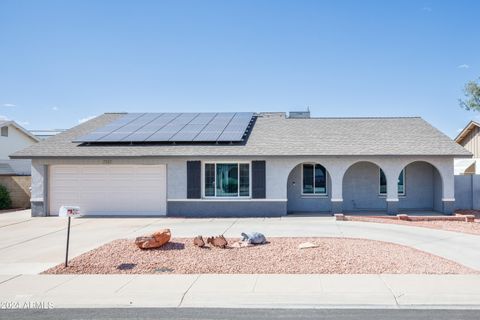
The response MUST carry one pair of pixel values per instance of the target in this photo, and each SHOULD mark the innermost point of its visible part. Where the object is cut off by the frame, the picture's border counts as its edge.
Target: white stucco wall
(15, 141)
(277, 172)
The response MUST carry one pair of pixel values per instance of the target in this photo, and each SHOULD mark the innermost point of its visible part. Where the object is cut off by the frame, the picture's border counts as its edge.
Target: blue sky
(64, 61)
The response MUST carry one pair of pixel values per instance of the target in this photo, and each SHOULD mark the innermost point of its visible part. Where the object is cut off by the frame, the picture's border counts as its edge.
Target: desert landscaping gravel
(280, 255)
(455, 226)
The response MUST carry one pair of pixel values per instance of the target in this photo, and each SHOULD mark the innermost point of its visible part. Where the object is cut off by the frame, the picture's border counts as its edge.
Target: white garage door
(109, 190)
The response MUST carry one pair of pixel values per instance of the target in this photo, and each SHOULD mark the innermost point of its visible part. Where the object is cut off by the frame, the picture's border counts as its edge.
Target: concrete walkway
(31, 245)
(251, 291)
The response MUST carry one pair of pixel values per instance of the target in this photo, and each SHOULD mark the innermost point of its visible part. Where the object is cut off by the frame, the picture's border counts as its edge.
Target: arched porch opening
(363, 188)
(423, 188)
(309, 189)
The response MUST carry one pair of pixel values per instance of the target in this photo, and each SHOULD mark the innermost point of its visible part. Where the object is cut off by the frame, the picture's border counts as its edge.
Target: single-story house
(469, 138)
(243, 164)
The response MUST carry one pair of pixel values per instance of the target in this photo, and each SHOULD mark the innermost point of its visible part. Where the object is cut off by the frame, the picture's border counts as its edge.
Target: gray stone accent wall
(337, 206)
(241, 208)
(448, 207)
(392, 207)
(38, 208)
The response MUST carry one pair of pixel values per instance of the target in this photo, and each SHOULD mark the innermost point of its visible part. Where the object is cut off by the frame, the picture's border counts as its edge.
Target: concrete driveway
(31, 245)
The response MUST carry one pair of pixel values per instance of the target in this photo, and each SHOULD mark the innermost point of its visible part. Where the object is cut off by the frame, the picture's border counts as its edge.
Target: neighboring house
(15, 174)
(13, 138)
(45, 134)
(243, 164)
(469, 138)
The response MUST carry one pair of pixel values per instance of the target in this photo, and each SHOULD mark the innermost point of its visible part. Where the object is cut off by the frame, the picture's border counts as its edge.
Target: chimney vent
(299, 114)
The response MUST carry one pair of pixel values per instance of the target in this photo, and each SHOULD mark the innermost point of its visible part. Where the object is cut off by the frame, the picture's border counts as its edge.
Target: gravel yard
(280, 255)
(456, 226)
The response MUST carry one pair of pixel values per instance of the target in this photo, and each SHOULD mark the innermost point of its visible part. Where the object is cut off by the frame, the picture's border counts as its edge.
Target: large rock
(254, 238)
(198, 241)
(155, 240)
(219, 241)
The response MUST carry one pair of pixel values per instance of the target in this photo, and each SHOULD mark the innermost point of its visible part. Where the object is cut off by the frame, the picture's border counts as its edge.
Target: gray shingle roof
(275, 135)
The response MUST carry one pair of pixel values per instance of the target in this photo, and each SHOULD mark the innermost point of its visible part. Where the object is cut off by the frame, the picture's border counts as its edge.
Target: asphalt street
(239, 314)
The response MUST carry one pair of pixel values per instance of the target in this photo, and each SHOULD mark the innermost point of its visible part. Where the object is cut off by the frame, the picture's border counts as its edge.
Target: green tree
(472, 96)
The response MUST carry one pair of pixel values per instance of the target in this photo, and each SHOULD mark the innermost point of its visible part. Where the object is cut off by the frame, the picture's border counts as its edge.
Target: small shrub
(5, 200)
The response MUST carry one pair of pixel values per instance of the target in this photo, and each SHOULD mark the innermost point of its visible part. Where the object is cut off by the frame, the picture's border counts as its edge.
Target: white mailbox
(69, 211)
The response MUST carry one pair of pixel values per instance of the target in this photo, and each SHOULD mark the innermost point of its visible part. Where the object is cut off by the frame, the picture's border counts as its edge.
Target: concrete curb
(245, 291)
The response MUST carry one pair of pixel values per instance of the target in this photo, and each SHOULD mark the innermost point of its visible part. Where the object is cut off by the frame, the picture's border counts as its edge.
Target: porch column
(448, 188)
(38, 199)
(337, 189)
(392, 190)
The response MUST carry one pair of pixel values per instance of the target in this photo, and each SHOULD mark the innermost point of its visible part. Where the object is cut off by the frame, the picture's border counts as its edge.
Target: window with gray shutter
(258, 179)
(194, 179)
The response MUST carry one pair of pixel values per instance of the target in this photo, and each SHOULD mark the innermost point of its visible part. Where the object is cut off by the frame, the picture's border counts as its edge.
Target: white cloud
(463, 66)
(4, 118)
(9, 105)
(86, 119)
(427, 9)
(55, 108)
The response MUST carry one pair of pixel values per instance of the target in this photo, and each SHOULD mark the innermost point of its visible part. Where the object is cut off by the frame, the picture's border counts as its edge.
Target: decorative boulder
(307, 245)
(241, 244)
(155, 240)
(198, 241)
(254, 238)
(219, 242)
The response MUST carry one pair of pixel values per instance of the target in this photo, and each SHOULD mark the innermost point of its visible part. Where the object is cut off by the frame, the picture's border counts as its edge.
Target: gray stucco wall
(467, 192)
(423, 188)
(361, 188)
(297, 202)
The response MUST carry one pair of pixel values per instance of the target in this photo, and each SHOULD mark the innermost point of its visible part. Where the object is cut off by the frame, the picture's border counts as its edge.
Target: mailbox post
(69, 212)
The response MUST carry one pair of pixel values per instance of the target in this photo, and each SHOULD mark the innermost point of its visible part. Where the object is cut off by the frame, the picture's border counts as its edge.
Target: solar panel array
(174, 127)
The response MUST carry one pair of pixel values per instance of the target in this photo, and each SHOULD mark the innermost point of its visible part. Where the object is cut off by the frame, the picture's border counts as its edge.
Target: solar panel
(168, 131)
(174, 127)
(203, 118)
(215, 128)
(130, 128)
(188, 133)
(235, 130)
(109, 128)
(143, 133)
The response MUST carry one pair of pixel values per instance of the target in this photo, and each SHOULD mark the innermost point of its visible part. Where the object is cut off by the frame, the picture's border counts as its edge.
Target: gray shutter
(194, 179)
(258, 179)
